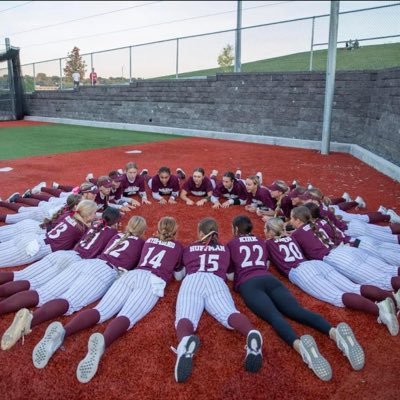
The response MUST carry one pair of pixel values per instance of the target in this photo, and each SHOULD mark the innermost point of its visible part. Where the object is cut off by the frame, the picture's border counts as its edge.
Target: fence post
(177, 59)
(312, 44)
(130, 64)
(61, 81)
(11, 81)
(34, 77)
(238, 42)
(330, 77)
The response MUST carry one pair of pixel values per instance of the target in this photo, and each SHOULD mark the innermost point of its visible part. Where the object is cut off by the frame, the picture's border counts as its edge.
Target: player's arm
(205, 199)
(185, 198)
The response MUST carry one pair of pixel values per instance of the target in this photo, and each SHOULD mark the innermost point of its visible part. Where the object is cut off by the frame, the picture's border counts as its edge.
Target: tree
(225, 59)
(75, 63)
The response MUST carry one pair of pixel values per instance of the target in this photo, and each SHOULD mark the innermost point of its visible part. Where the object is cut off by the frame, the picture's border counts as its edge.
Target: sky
(47, 30)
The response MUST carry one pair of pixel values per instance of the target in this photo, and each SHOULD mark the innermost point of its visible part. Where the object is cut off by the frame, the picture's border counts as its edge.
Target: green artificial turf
(26, 141)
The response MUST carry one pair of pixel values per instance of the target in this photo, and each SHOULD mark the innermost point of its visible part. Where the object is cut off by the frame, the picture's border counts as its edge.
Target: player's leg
(219, 303)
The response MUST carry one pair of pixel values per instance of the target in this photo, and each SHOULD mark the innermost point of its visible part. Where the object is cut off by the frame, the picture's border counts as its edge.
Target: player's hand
(216, 205)
(135, 203)
(189, 202)
(163, 201)
(171, 200)
(226, 204)
(125, 209)
(201, 202)
(250, 208)
(145, 201)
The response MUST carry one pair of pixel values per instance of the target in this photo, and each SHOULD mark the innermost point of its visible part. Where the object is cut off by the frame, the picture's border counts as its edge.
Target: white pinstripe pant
(47, 268)
(382, 233)
(36, 213)
(8, 232)
(322, 281)
(13, 252)
(130, 296)
(204, 290)
(81, 284)
(389, 252)
(348, 216)
(352, 263)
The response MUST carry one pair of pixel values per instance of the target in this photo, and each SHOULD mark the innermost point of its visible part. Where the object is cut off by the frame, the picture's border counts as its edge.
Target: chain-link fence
(367, 39)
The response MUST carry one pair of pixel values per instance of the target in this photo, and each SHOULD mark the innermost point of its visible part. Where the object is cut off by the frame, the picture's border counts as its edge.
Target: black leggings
(268, 298)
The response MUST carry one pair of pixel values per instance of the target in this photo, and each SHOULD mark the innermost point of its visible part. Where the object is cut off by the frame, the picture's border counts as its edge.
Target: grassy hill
(366, 57)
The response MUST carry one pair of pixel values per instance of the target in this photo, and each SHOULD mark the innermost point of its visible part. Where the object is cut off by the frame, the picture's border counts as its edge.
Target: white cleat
(36, 189)
(20, 327)
(382, 210)
(89, 177)
(394, 218)
(87, 368)
(260, 177)
(120, 171)
(55, 185)
(295, 183)
(144, 172)
(181, 173)
(253, 360)
(387, 315)
(186, 350)
(347, 197)
(360, 201)
(313, 358)
(14, 197)
(214, 173)
(238, 174)
(396, 296)
(310, 186)
(347, 343)
(48, 345)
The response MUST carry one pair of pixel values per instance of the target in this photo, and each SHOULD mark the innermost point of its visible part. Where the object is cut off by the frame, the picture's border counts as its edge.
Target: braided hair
(72, 201)
(304, 215)
(167, 228)
(109, 217)
(208, 226)
(242, 225)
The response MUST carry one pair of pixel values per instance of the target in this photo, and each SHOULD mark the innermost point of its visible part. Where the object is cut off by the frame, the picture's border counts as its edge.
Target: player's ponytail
(242, 225)
(84, 210)
(208, 231)
(167, 228)
(72, 201)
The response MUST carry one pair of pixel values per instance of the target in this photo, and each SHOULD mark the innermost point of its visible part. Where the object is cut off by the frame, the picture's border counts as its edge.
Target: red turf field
(140, 365)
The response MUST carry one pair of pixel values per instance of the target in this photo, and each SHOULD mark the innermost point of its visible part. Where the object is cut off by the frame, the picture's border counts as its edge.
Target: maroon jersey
(95, 240)
(116, 194)
(66, 234)
(333, 232)
(170, 189)
(284, 253)
(286, 206)
(126, 254)
(212, 259)
(238, 191)
(325, 212)
(202, 190)
(102, 201)
(248, 259)
(262, 198)
(161, 258)
(130, 188)
(312, 247)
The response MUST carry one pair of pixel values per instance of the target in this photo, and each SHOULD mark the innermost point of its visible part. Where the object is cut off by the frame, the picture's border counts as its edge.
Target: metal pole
(177, 59)
(91, 68)
(330, 77)
(238, 43)
(34, 77)
(312, 44)
(11, 80)
(130, 64)
(61, 82)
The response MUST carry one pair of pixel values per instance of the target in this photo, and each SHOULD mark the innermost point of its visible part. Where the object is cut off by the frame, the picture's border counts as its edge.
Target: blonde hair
(85, 209)
(275, 225)
(136, 227)
(209, 227)
(317, 195)
(254, 179)
(167, 228)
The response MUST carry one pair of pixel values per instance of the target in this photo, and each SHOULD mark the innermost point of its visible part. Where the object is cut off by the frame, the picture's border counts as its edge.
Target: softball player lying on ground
(206, 263)
(129, 299)
(269, 299)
